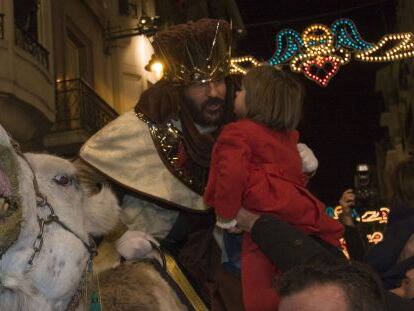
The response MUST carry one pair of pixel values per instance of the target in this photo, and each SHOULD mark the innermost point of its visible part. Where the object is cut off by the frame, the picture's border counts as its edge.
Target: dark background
(341, 122)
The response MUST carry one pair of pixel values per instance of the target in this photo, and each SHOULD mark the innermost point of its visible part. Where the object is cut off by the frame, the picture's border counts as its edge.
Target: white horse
(44, 267)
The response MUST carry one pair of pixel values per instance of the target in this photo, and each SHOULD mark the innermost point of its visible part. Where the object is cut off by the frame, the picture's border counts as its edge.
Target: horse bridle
(41, 202)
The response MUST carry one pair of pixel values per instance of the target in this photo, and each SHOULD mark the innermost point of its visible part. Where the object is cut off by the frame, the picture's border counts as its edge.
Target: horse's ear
(101, 212)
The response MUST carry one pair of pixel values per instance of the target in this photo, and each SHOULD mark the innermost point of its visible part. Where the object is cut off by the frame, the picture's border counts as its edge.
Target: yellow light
(236, 64)
(375, 237)
(380, 216)
(403, 48)
(157, 69)
(344, 247)
(319, 42)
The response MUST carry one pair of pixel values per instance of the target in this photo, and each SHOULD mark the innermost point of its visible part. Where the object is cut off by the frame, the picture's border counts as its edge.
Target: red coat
(260, 169)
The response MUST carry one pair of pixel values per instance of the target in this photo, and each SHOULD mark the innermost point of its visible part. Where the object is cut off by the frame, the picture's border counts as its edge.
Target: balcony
(80, 113)
(29, 44)
(27, 92)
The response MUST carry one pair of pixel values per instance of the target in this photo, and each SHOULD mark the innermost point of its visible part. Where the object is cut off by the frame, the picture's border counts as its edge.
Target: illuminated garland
(347, 36)
(375, 237)
(236, 64)
(375, 216)
(380, 216)
(403, 48)
(320, 51)
(283, 54)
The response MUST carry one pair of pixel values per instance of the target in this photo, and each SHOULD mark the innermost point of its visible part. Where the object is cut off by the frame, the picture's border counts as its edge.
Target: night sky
(341, 122)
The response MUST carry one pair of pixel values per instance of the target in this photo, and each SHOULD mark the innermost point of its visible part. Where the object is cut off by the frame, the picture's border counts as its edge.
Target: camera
(364, 190)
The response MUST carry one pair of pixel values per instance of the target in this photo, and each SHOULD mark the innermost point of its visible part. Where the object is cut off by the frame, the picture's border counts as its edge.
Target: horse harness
(169, 268)
(41, 202)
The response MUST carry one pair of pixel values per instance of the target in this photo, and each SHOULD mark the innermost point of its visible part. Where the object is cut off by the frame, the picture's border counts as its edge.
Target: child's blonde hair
(273, 97)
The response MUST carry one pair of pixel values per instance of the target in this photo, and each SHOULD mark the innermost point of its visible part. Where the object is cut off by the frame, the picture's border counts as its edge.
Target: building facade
(70, 67)
(27, 88)
(396, 83)
(98, 73)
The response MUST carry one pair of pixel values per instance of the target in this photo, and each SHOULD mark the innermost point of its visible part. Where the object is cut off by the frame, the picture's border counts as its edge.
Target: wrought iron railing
(30, 45)
(1, 26)
(79, 107)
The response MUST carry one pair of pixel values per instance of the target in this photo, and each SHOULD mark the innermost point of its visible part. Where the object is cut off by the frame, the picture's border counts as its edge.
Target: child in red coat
(256, 164)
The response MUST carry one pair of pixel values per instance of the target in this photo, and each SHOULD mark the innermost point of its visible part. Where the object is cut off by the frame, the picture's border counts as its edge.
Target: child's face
(240, 104)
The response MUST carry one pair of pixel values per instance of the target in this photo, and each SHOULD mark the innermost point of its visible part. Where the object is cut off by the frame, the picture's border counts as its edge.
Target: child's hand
(246, 219)
(309, 161)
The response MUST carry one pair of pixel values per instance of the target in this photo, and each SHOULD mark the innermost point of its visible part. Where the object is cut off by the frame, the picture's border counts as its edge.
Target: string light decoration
(283, 54)
(403, 48)
(240, 65)
(329, 65)
(347, 35)
(377, 219)
(379, 216)
(320, 51)
(375, 237)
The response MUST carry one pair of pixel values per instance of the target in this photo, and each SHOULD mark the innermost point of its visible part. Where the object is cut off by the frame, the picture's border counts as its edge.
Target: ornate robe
(125, 151)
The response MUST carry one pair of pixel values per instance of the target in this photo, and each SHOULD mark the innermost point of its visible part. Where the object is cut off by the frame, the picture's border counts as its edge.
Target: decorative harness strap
(41, 202)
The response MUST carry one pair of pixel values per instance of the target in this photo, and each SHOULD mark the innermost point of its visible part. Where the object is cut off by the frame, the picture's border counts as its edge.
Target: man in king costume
(157, 155)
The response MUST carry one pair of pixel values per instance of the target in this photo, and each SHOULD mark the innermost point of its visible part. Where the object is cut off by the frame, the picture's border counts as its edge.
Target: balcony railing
(79, 107)
(30, 45)
(1, 26)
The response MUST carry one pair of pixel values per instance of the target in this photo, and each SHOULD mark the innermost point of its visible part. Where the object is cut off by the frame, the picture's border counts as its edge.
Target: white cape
(124, 151)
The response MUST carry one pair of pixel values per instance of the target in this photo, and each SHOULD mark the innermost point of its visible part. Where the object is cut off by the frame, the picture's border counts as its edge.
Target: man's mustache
(212, 102)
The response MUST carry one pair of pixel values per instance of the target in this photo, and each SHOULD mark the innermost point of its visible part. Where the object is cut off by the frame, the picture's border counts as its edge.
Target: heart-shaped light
(321, 69)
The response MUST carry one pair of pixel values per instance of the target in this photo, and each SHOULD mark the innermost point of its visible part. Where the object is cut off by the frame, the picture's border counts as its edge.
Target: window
(25, 16)
(78, 55)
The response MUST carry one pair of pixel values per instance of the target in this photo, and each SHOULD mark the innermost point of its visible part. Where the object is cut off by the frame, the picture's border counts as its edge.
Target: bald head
(320, 297)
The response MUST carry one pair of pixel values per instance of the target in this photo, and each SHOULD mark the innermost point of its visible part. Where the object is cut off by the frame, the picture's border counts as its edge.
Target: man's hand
(134, 244)
(309, 161)
(246, 219)
(347, 201)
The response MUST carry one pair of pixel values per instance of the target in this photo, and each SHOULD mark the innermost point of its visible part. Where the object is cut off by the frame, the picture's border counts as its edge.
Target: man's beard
(211, 112)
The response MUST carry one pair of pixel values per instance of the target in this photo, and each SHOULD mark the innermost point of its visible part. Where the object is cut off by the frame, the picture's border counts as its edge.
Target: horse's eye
(62, 180)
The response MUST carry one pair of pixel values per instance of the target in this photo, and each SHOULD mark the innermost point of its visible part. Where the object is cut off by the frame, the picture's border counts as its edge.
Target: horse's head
(45, 258)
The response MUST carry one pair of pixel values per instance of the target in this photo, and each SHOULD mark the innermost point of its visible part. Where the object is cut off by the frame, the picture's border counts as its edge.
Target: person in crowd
(406, 289)
(393, 257)
(341, 286)
(356, 244)
(290, 249)
(256, 164)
